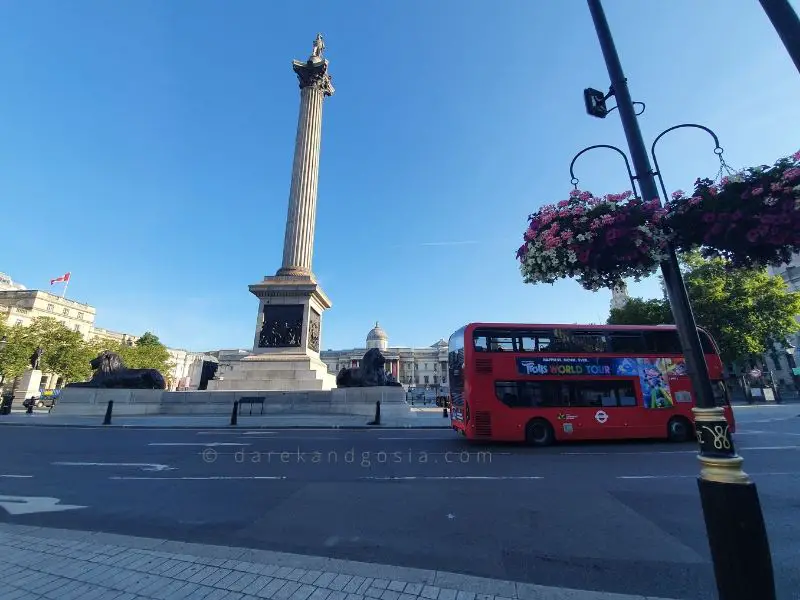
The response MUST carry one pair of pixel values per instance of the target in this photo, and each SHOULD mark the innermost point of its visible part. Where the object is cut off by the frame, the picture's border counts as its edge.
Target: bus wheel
(679, 429)
(538, 432)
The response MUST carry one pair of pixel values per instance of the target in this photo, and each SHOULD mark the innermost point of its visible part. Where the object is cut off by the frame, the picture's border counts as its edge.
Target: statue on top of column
(319, 46)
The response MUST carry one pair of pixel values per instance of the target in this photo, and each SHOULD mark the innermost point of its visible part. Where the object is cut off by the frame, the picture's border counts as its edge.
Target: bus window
(662, 342)
(626, 393)
(623, 342)
(532, 341)
(594, 394)
(568, 340)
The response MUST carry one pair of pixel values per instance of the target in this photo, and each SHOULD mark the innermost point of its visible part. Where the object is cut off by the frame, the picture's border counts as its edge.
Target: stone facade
(413, 367)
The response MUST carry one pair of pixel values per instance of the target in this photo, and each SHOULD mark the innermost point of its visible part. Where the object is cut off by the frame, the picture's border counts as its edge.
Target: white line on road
(143, 466)
(207, 444)
(189, 478)
(413, 439)
(452, 478)
(770, 447)
(628, 453)
(781, 473)
(17, 476)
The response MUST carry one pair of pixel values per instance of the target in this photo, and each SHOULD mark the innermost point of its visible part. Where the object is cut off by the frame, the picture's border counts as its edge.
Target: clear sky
(146, 146)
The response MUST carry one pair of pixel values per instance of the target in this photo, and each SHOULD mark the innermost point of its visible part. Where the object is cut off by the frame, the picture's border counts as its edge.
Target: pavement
(66, 565)
(603, 518)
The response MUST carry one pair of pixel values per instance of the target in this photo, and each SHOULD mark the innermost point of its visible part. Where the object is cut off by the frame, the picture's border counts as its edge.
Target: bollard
(29, 409)
(109, 409)
(444, 411)
(377, 420)
(235, 413)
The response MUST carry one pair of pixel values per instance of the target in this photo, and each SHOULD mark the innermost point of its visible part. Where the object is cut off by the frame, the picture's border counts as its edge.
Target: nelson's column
(287, 339)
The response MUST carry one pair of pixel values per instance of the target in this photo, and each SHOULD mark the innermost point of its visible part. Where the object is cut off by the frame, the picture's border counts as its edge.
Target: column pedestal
(28, 387)
(287, 340)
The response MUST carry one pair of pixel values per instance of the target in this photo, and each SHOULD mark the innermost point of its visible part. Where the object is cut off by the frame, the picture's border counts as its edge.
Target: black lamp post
(790, 348)
(734, 522)
(785, 21)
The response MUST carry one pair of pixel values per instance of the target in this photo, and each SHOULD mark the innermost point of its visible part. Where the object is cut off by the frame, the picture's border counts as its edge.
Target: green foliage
(15, 354)
(67, 353)
(638, 311)
(742, 309)
(149, 339)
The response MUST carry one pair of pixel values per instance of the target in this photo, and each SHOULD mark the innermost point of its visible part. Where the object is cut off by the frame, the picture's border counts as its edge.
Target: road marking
(17, 476)
(260, 433)
(770, 447)
(414, 439)
(628, 453)
(142, 466)
(207, 444)
(207, 478)
(452, 478)
(25, 505)
(773, 473)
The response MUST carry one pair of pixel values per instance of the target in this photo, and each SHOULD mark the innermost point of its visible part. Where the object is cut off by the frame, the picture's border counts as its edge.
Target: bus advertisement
(545, 383)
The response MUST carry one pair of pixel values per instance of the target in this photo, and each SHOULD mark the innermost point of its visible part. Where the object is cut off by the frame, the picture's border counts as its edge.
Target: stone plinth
(351, 401)
(287, 340)
(28, 387)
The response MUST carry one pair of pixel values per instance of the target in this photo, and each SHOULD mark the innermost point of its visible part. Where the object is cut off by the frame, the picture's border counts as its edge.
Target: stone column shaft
(298, 243)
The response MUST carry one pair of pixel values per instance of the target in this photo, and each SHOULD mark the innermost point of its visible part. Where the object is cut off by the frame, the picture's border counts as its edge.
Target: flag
(64, 278)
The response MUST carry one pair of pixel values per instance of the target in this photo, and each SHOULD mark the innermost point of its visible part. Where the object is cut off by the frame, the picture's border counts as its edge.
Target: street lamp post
(785, 21)
(792, 366)
(734, 522)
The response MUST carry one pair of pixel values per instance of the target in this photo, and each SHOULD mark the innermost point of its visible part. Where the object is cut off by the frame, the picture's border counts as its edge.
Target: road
(621, 517)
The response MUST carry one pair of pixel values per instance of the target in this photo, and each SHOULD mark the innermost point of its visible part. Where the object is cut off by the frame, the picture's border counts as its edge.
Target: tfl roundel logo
(601, 416)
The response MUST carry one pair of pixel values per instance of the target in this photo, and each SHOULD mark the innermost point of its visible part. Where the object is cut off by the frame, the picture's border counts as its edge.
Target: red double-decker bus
(545, 383)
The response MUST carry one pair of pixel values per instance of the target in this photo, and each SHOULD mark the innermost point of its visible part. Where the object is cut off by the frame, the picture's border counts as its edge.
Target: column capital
(314, 73)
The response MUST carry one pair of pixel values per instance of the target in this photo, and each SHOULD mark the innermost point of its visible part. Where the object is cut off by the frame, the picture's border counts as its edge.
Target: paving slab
(39, 561)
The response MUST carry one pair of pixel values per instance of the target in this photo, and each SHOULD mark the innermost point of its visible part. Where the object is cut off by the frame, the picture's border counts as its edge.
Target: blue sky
(146, 146)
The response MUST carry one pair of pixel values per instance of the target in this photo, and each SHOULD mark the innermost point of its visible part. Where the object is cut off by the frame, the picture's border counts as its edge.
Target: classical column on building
(298, 241)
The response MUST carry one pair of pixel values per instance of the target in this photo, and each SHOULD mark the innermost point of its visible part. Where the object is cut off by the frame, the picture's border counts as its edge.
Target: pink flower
(695, 200)
(796, 155)
(522, 251)
(677, 194)
(585, 196)
(792, 174)
(530, 235)
(563, 203)
(752, 235)
(708, 217)
(758, 191)
(776, 187)
(725, 180)
(712, 189)
(566, 235)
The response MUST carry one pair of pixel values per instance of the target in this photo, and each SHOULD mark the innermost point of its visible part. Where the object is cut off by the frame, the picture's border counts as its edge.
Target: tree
(638, 311)
(65, 351)
(148, 339)
(147, 353)
(744, 310)
(15, 354)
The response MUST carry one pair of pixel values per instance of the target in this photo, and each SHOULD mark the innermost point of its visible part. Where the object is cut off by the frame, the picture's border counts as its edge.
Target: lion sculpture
(371, 373)
(111, 372)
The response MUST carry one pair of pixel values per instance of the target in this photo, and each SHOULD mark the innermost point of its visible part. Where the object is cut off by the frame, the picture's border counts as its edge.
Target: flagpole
(66, 283)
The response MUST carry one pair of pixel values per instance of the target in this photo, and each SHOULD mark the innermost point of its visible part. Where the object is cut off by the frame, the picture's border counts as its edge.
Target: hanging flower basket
(751, 218)
(598, 240)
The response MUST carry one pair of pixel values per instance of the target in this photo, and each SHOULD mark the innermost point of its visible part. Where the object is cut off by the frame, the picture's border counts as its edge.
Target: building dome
(377, 338)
